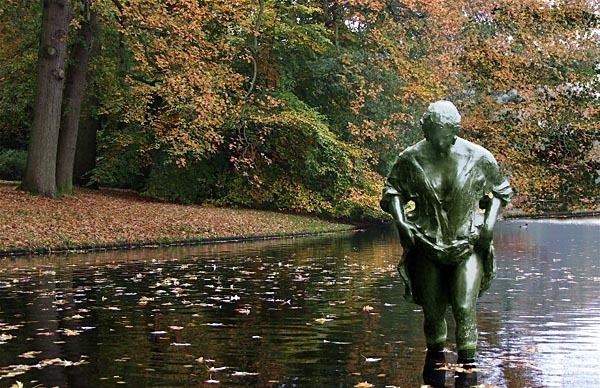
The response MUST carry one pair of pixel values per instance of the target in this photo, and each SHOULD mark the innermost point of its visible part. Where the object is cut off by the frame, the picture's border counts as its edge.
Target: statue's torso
(446, 191)
(442, 172)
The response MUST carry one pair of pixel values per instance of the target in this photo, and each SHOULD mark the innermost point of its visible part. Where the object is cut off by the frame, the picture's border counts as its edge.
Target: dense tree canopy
(302, 105)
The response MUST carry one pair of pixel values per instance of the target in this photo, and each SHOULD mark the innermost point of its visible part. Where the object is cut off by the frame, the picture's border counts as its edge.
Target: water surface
(325, 311)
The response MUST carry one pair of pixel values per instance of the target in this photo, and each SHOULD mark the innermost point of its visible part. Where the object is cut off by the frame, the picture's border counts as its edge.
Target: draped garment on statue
(458, 213)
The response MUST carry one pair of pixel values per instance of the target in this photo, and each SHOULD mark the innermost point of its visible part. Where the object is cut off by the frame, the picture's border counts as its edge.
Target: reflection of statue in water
(437, 373)
(456, 190)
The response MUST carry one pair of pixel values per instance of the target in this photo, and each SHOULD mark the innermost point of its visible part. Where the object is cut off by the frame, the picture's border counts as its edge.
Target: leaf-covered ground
(96, 218)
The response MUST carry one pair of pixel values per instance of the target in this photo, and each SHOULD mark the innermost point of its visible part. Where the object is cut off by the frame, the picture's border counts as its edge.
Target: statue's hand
(454, 253)
(484, 241)
(458, 251)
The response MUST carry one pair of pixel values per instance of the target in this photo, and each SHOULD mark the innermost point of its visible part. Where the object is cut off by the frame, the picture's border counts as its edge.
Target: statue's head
(440, 124)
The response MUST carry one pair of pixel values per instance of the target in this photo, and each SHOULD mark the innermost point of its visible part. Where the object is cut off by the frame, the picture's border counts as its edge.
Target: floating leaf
(213, 369)
(144, 300)
(336, 342)
(244, 374)
(30, 354)
(372, 359)
(322, 320)
(6, 337)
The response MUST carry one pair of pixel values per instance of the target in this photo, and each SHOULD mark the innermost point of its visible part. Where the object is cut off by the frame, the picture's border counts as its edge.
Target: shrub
(12, 164)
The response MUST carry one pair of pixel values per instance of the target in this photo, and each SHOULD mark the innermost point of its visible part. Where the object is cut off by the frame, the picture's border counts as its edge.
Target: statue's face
(440, 136)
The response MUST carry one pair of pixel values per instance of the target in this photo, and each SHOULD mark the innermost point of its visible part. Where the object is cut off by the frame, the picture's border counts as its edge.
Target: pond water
(312, 312)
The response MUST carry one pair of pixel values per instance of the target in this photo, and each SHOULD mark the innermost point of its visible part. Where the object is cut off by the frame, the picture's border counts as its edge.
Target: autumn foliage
(303, 105)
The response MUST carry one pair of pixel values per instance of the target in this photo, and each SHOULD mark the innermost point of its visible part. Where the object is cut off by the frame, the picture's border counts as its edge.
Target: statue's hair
(442, 112)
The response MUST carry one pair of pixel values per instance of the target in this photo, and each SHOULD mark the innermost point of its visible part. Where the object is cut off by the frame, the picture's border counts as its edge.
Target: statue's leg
(428, 289)
(464, 291)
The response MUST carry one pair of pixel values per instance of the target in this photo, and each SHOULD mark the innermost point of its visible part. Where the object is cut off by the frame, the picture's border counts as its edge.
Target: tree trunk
(72, 98)
(85, 154)
(40, 173)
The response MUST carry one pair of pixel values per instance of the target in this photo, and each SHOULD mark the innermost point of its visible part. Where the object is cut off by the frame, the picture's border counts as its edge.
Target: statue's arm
(396, 208)
(492, 210)
(500, 195)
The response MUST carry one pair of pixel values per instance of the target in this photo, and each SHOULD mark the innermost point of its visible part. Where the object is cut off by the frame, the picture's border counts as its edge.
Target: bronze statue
(457, 191)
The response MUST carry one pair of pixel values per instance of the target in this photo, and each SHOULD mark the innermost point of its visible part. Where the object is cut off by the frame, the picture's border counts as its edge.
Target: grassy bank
(106, 219)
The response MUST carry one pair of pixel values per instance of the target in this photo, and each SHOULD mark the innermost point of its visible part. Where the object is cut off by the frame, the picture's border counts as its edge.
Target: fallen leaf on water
(212, 369)
(144, 300)
(368, 308)
(30, 354)
(59, 362)
(457, 368)
(71, 333)
(337, 342)
(5, 327)
(322, 321)
(243, 374)
(364, 384)
(371, 359)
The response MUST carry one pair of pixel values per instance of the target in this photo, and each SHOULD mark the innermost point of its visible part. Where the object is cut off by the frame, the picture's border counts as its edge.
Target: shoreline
(541, 216)
(111, 220)
(123, 246)
(158, 244)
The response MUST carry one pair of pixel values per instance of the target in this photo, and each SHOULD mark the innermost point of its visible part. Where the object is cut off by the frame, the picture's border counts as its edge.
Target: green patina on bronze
(445, 194)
